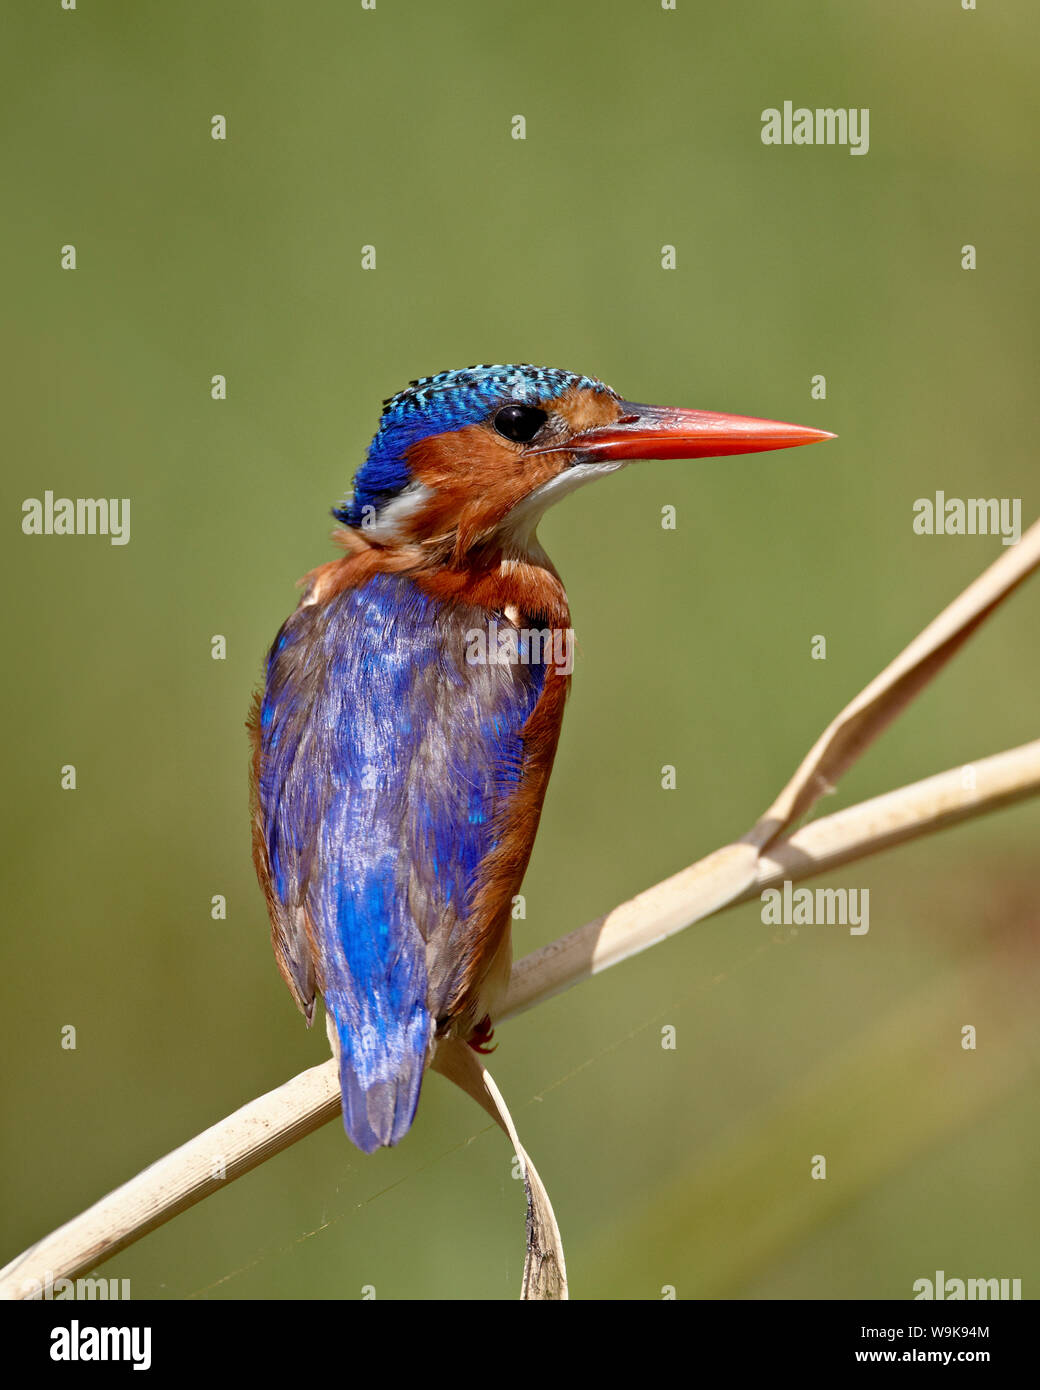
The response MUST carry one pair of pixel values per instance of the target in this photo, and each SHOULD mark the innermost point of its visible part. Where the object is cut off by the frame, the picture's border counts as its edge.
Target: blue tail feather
(380, 1073)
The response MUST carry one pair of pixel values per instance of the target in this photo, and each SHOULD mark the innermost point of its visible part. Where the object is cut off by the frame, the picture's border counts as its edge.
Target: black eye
(520, 422)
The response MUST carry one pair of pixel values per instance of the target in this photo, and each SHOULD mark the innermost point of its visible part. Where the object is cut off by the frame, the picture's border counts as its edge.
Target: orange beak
(664, 432)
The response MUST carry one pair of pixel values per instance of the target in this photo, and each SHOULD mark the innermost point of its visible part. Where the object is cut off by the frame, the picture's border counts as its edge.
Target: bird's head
(476, 455)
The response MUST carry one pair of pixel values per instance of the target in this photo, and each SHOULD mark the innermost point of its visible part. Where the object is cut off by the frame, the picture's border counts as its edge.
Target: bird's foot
(480, 1039)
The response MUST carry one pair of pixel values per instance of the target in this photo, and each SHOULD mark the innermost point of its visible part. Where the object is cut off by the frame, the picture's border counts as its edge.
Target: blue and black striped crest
(437, 404)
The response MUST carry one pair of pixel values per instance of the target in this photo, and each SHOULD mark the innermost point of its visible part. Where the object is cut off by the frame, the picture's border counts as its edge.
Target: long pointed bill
(661, 432)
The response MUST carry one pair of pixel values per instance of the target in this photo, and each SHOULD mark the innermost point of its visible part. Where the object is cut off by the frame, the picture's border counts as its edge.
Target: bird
(411, 706)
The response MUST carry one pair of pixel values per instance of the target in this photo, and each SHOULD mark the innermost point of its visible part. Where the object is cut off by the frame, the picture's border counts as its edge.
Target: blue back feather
(385, 758)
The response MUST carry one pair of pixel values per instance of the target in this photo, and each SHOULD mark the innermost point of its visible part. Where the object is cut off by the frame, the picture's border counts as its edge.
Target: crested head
(467, 440)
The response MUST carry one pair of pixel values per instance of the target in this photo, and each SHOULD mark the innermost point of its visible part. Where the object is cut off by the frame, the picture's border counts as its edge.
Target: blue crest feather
(439, 403)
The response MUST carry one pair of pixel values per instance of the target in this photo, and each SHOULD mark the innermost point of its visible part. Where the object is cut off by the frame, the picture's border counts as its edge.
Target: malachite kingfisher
(412, 706)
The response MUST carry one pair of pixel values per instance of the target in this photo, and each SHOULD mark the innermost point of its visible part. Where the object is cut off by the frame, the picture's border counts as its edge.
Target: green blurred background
(391, 127)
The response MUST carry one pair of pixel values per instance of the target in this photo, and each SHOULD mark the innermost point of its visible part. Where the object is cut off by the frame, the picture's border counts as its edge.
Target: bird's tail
(381, 1067)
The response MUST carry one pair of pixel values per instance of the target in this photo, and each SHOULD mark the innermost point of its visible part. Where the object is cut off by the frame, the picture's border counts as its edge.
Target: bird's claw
(480, 1039)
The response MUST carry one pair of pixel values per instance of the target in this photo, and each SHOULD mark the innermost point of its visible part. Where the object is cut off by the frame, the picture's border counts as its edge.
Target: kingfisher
(406, 729)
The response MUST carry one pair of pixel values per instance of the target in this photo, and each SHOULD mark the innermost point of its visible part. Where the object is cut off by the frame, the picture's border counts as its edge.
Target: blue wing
(384, 757)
